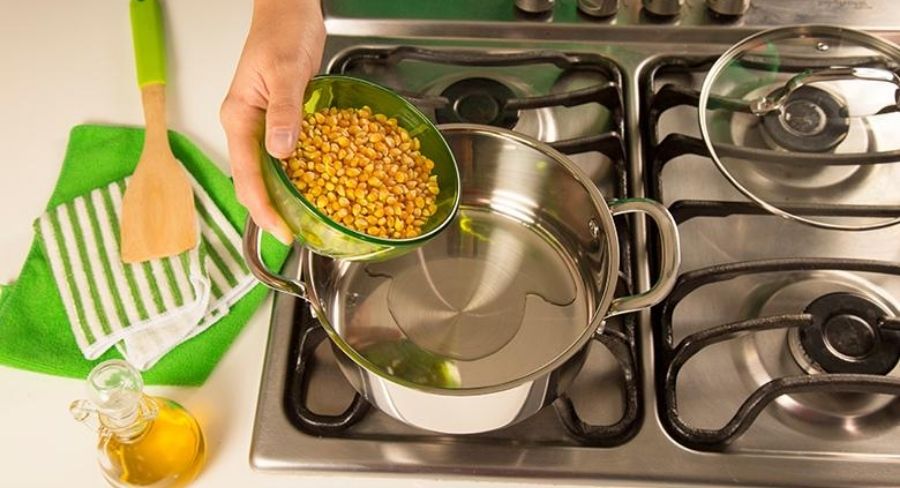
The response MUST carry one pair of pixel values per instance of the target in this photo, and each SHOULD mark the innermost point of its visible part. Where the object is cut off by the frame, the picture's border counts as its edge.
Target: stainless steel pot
(488, 323)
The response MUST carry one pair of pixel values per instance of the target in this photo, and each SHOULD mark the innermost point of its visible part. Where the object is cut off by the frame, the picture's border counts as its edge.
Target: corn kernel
(364, 171)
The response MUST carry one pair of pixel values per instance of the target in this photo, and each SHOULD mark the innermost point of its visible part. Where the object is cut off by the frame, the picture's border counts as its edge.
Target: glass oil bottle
(143, 440)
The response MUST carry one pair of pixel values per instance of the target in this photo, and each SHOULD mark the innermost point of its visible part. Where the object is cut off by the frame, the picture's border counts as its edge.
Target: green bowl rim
(363, 236)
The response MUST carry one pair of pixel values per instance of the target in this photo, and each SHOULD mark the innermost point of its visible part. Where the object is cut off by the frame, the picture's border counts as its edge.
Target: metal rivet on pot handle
(670, 255)
(252, 238)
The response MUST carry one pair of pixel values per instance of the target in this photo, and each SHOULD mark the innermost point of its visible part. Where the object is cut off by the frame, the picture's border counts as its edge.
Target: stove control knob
(728, 7)
(666, 8)
(535, 6)
(599, 8)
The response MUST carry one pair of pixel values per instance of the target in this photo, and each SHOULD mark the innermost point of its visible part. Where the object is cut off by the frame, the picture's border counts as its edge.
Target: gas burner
(478, 101)
(842, 336)
(845, 337)
(812, 120)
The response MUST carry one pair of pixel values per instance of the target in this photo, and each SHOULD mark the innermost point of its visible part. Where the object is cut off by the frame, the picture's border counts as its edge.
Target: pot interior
(512, 288)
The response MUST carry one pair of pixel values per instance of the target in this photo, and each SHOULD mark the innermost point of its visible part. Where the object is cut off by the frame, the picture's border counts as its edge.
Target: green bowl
(324, 236)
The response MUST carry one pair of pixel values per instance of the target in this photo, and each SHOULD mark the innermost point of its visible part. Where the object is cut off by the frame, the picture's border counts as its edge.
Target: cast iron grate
(671, 356)
(619, 340)
(607, 93)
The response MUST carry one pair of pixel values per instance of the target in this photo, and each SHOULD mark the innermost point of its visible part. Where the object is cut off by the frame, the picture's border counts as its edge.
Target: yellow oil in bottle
(143, 440)
(170, 452)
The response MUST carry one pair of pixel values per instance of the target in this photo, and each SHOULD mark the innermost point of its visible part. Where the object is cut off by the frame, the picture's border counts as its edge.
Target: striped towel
(144, 309)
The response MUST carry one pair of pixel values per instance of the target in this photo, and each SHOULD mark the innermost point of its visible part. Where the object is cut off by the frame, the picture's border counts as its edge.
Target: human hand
(282, 52)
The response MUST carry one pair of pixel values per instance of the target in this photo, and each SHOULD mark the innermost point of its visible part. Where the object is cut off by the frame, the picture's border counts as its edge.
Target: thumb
(283, 116)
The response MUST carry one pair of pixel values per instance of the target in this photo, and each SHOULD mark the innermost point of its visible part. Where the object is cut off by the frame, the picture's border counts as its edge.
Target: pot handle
(670, 255)
(252, 239)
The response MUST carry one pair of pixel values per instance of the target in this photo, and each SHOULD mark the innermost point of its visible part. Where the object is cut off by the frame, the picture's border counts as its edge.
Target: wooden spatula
(158, 216)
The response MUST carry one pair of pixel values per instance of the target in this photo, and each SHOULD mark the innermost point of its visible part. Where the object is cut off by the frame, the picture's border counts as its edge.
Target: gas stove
(774, 361)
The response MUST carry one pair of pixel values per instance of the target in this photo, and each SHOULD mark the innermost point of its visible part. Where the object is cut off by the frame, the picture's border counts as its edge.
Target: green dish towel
(34, 331)
(143, 309)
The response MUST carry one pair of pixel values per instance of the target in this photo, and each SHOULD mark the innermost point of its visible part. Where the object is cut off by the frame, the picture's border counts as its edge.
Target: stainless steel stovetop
(724, 383)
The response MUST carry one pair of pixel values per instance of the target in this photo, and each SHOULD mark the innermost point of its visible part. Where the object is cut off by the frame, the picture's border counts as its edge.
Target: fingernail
(282, 142)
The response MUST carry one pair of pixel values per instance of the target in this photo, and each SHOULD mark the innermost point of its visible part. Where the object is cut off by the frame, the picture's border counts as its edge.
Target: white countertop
(66, 63)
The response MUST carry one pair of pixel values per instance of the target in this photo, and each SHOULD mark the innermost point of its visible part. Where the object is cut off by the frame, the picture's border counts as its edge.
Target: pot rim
(596, 322)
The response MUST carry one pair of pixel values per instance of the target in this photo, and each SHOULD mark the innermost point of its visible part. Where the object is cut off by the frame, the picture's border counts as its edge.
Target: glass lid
(805, 122)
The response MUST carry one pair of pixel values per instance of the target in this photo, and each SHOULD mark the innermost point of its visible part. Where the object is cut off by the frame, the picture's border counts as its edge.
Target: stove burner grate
(485, 100)
(311, 335)
(674, 356)
(622, 347)
(866, 376)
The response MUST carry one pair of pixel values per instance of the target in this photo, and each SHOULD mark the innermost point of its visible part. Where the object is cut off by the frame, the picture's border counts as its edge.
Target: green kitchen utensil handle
(149, 41)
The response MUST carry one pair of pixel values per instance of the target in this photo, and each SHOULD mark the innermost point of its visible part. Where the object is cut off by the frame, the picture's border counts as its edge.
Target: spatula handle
(149, 42)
